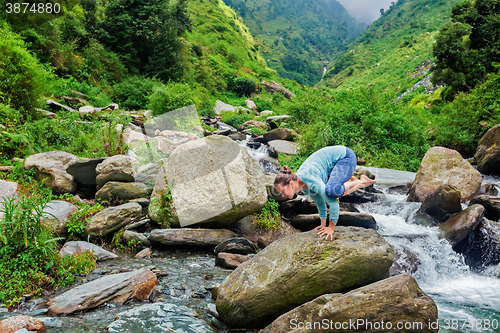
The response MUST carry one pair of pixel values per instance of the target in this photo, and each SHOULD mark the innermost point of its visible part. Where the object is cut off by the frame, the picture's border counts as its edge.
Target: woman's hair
(284, 176)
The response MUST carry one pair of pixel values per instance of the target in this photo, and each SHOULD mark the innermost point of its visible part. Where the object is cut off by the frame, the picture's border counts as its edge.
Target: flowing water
(467, 301)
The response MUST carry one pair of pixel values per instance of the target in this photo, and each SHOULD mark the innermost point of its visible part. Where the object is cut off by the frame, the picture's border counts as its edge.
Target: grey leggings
(341, 172)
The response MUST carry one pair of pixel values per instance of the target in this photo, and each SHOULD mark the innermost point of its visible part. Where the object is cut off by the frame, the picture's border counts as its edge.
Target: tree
(146, 34)
(467, 48)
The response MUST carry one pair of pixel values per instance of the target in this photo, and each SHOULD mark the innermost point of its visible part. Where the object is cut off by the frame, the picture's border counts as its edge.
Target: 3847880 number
(32, 8)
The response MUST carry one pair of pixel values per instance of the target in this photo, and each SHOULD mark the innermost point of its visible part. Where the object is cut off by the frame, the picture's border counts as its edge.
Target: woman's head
(286, 182)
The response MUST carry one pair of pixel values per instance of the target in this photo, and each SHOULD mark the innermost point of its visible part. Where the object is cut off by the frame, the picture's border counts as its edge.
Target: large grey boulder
(190, 237)
(77, 247)
(117, 288)
(122, 191)
(488, 152)
(299, 268)
(394, 301)
(50, 169)
(57, 213)
(444, 166)
(159, 318)
(462, 224)
(112, 219)
(120, 168)
(213, 181)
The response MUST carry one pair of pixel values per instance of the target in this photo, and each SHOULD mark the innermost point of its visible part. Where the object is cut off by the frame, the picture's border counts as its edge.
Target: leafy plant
(77, 224)
(29, 258)
(163, 203)
(170, 97)
(269, 217)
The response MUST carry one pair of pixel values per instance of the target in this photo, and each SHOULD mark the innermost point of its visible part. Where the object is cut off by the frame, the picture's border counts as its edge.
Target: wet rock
(76, 247)
(246, 228)
(487, 189)
(213, 181)
(190, 237)
(283, 147)
(57, 213)
(399, 189)
(159, 318)
(491, 205)
(298, 269)
(488, 152)
(83, 170)
(405, 261)
(135, 236)
(280, 134)
(122, 191)
(117, 288)
(51, 168)
(17, 323)
(441, 204)
(113, 219)
(462, 224)
(230, 260)
(238, 136)
(444, 166)
(274, 87)
(119, 168)
(482, 247)
(306, 222)
(359, 196)
(269, 165)
(239, 245)
(144, 254)
(389, 300)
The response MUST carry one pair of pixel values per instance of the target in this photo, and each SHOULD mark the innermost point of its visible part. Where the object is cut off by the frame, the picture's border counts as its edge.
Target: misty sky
(365, 10)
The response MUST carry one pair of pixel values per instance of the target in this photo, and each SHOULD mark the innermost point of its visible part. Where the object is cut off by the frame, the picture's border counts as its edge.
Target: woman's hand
(328, 231)
(322, 225)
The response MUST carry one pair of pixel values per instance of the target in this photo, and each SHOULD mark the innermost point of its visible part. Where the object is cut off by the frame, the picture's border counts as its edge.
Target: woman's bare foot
(352, 179)
(367, 181)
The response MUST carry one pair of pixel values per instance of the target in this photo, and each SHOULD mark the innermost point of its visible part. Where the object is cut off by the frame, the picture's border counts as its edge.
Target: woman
(325, 176)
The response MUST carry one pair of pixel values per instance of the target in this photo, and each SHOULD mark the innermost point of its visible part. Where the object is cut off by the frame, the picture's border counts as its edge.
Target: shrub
(133, 92)
(170, 97)
(242, 86)
(234, 119)
(23, 80)
(269, 217)
(29, 258)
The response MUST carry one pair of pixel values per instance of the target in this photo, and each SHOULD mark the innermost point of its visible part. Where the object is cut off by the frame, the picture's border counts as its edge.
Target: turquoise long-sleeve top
(314, 172)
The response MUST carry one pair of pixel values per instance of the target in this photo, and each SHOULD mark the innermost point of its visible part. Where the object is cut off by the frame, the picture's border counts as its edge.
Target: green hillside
(387, 54)
(298, 38)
